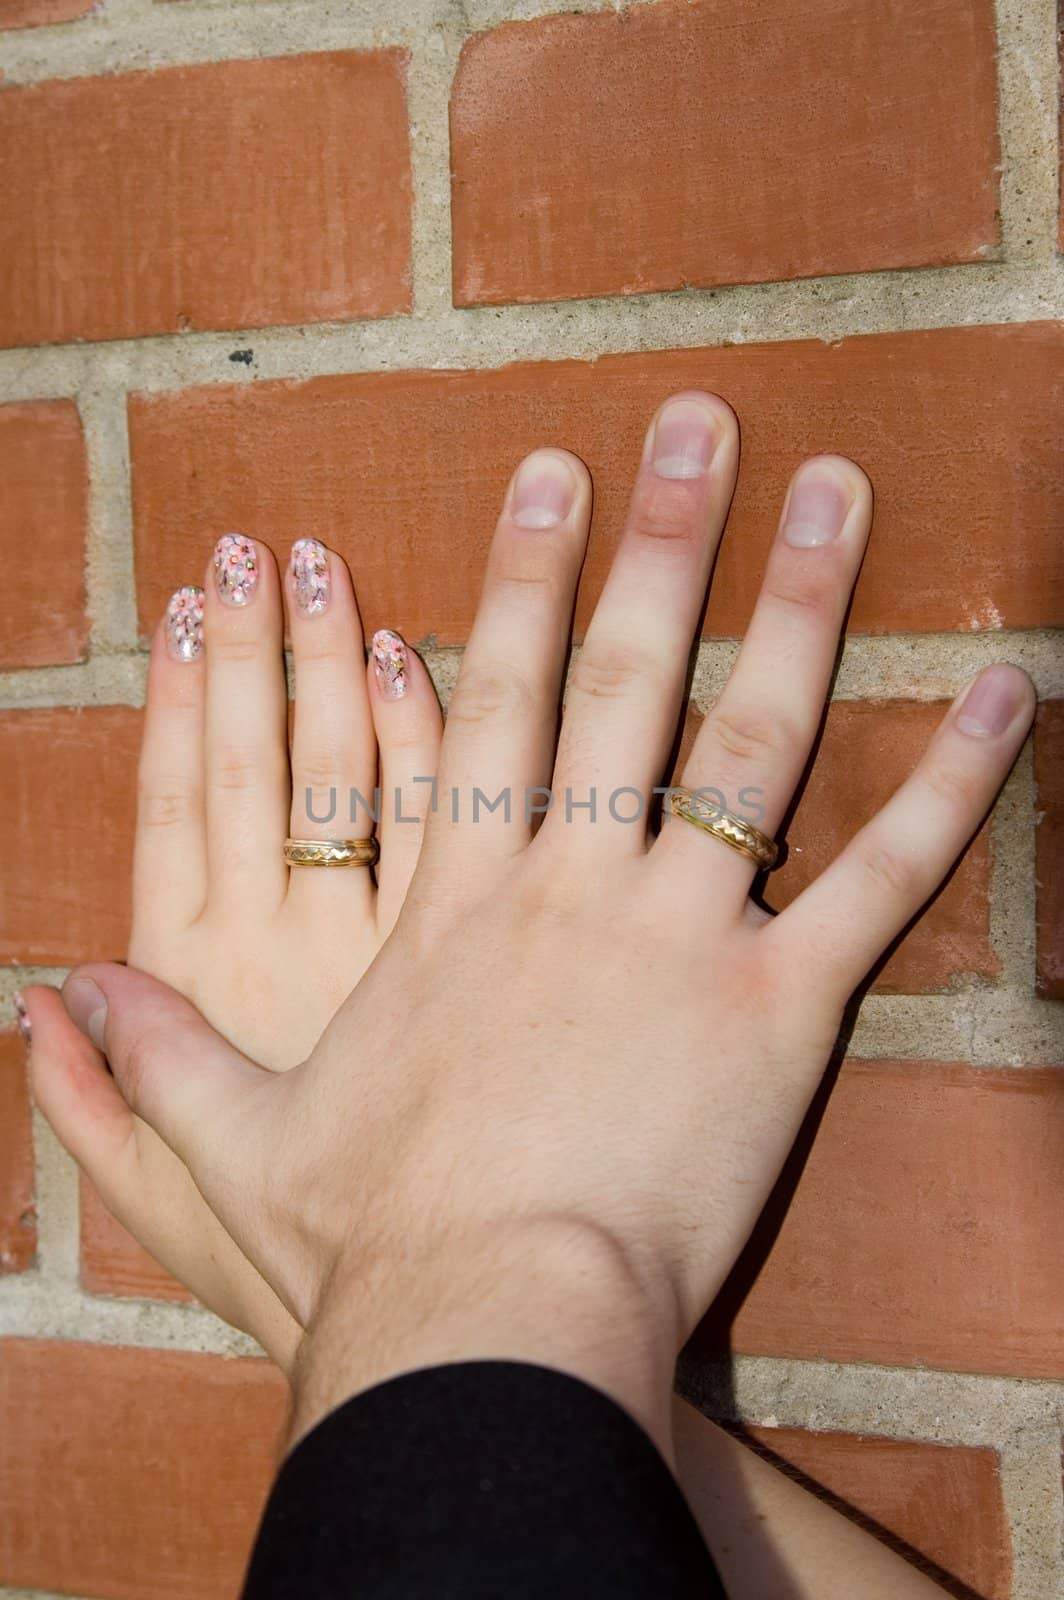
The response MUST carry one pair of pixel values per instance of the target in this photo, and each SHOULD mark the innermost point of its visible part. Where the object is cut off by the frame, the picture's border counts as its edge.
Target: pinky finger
(839, 927)
(409, 727)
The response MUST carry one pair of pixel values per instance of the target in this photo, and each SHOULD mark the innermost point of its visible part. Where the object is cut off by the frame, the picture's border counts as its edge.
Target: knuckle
(608, 673)
(888, 869)
(133, 1059)
(165, 805)
(959, 789)
(320, 770)
(805, 594)
(526, 577)
(486, 694)
(548, 898)
(322, 645)
(235, 648)
(666, 511)
(750, 733)
(236, 770)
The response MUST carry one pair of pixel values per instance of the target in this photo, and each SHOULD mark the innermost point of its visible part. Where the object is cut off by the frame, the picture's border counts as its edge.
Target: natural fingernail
(87, 1008)
(544, 491)
(817, 508)
(310, 576)
(22, 1017)
(682, 440)
(389, 664)
(991, 703)
(184, 624)
(236, 569)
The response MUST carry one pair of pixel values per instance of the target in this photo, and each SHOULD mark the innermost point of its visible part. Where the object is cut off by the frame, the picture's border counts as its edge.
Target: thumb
(172, 1068)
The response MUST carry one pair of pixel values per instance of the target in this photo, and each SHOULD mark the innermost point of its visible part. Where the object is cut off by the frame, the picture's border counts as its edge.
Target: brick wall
(296, 267)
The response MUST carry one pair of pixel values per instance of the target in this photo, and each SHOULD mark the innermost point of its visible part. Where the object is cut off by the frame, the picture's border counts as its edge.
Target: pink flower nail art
(23, 1020)
(310, 576)
(389, 664)
(184, 624)
(236, 569)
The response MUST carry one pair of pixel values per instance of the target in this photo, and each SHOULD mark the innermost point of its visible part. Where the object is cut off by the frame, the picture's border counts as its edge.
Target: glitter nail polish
(389, 664)
(22, 1018)
(184, 624)
(236, 569)
(310, 576)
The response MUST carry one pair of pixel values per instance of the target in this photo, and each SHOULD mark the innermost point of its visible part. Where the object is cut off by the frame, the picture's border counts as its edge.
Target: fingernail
(544, 491)
(236, 569)
(86, 1007)
(991, 703)
(389, 664)
(310, 576)
(184, 624)
(682, 440)
(25, 1027)
(817, 508)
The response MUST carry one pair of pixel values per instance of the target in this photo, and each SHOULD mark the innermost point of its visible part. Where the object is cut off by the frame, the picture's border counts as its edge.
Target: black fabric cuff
(485, 1478)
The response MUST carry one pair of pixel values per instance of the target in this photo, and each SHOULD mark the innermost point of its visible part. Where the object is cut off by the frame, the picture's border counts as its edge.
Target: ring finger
(754, 744)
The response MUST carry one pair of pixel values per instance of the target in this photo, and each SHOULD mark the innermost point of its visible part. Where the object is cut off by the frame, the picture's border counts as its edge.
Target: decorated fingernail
(184, 624)
(817, 508)
(236, 569)
(22, 1017)
(682, 440)
(310, 576)
(389, 664)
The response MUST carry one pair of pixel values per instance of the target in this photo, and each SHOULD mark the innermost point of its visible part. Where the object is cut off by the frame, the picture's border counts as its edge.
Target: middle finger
(624, 696)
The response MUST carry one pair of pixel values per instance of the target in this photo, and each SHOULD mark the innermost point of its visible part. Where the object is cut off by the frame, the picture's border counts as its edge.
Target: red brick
(284, 197)
(66, 833)
(868, 748)
(18, 1216)
(113, 1263)
(103, 1451)
(924, 1229)
(939, 1502)
(43, 508)
(690, 142)
(404, 472)
(35, 13)
(1049, 845)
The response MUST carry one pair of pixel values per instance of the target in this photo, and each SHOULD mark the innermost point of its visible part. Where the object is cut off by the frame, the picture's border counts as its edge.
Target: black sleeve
(483, 1479)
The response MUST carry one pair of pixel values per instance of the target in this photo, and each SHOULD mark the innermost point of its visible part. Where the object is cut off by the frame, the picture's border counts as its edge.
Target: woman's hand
(266, 955)
(588, 1053)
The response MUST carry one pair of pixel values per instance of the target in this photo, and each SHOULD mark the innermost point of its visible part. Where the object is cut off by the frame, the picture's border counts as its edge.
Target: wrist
(553, 1292)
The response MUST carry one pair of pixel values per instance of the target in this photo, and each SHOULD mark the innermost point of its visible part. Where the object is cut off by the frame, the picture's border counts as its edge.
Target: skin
(563, 1138)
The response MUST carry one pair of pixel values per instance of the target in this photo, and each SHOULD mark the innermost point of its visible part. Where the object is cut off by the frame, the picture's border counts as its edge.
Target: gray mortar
(995, 1024)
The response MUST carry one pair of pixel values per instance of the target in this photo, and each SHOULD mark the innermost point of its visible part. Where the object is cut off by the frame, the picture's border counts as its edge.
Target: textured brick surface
(923, 1231)
(43, 505)
(18, 1230)
(113, 1263)
(284, 197)
(35, 13)
(684, 143)
(940, 1502)
(867, 749)
(1049, 838)
(66, 810)
(404, 472)
(132, 1474)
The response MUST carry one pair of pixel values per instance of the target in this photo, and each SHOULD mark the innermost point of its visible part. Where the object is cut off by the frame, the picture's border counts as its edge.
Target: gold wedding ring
(705, 813)
(331, 852)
